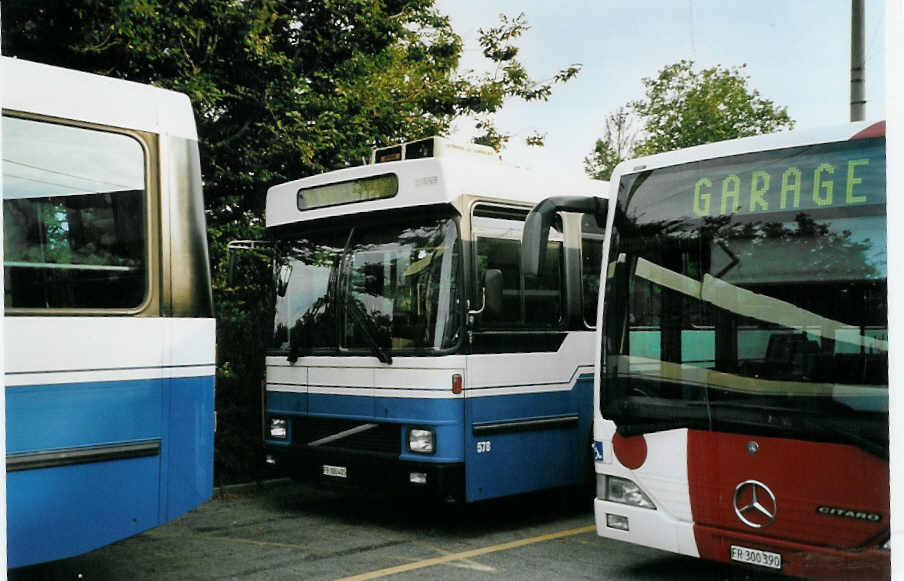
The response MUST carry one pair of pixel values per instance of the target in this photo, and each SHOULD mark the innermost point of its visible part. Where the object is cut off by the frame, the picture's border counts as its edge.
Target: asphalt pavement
(288, 530)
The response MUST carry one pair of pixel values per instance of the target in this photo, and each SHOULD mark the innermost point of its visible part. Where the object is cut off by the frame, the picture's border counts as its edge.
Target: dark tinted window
(532, 303)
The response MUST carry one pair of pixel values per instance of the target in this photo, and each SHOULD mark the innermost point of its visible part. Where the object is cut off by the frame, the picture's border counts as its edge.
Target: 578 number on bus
(483, 447)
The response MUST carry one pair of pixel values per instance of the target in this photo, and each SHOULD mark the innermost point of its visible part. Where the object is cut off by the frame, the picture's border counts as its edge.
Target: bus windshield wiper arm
(359, 316)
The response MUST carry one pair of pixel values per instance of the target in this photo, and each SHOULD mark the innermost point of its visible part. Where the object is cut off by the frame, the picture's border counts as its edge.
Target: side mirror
(492, 293)
(235, 246)
(536, 228)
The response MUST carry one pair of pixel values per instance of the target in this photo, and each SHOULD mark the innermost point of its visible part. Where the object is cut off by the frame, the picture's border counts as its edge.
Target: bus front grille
(333, 434)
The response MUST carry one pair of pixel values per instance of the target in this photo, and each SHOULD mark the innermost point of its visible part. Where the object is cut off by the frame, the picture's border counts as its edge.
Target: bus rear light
(624, 491)
(456, 383)
(616, 521)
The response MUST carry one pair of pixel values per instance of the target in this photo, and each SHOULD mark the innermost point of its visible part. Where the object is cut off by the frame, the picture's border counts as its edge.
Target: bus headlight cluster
(421, 441)
(624, 491)
(279, 429)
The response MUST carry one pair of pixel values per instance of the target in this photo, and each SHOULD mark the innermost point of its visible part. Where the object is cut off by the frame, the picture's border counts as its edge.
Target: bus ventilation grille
(384, 438)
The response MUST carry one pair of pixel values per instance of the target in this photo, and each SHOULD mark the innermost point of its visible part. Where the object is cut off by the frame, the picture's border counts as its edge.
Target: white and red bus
(742, 380)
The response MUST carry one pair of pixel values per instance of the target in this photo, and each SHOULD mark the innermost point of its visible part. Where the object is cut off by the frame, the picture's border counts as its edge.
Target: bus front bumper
(655, 528)
(371, 471)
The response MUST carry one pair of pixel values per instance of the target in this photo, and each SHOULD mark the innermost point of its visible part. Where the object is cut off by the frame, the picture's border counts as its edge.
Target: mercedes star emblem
(755, 504)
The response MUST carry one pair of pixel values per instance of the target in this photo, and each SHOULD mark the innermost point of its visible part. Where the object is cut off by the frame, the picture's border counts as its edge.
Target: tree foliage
(281, 89)
(614, 147)
(682, 108)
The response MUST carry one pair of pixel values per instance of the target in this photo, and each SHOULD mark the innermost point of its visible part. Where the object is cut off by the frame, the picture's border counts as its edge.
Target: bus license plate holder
(766, 559)
(335, 471)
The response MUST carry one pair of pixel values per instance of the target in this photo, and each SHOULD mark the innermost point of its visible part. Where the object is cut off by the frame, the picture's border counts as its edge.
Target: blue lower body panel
(62, 507)
(521, 443)
(487, 447)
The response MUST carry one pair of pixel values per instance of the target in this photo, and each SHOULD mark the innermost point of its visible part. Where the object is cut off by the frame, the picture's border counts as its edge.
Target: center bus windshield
(386, 288)
(752, 296)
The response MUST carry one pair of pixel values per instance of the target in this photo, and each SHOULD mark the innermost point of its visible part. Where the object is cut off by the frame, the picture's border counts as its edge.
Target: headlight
(279, 428)
(887, 544)
(421, 441)
(626, 492)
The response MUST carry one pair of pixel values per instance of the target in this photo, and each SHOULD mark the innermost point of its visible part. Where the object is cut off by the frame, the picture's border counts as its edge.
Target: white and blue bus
(108, 328)
(408, 350)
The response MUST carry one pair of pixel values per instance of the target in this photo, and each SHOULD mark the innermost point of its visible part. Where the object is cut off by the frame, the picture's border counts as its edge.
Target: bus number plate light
(616, 521)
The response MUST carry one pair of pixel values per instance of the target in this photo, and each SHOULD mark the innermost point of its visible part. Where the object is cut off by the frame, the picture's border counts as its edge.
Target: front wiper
(359, 316)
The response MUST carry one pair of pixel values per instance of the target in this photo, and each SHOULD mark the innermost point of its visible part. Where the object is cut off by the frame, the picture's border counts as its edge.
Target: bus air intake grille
(332, 434)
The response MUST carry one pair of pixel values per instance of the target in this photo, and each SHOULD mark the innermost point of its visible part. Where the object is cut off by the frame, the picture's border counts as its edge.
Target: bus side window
(534, 303)
(74, 217)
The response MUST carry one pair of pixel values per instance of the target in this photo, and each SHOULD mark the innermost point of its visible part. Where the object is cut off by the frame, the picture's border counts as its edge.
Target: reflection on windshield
(781, 310)
(823, 334)
(400, 282)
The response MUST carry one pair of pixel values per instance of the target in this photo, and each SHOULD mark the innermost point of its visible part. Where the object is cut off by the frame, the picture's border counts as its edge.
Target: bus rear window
(74, 217)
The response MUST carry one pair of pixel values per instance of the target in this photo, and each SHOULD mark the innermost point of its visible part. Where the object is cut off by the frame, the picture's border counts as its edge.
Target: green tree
(615, 146)
(282, 89)
(682, 108)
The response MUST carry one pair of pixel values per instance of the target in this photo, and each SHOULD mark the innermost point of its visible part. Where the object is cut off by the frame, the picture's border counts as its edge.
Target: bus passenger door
(529, 381)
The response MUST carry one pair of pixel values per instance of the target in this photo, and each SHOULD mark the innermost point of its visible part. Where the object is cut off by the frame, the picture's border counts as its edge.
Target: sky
(797, 54)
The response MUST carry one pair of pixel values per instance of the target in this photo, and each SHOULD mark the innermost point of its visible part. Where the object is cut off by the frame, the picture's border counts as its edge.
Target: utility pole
(858, 97)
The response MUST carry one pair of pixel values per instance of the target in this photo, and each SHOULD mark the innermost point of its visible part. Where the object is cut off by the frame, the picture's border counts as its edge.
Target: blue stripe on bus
(87, 506)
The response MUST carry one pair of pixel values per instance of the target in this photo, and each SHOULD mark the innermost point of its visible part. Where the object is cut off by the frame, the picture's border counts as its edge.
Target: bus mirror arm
(491, 294)
(536, 226)
(240, 246)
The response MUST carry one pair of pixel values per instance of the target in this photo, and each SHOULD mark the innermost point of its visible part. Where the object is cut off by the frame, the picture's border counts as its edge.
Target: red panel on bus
(874, 130)
(812, 493)
(631, 452)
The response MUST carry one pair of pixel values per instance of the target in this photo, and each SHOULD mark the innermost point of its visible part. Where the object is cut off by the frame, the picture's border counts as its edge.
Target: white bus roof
(431, 181)
(752, 144)
(41, 89)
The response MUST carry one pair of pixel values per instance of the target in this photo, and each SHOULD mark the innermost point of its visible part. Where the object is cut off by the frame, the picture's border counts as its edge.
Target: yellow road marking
(468, 554)
(463, 563)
